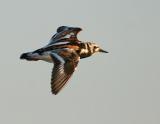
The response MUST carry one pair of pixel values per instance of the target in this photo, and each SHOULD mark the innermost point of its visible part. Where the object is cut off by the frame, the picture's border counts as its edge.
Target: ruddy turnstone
(65, 51)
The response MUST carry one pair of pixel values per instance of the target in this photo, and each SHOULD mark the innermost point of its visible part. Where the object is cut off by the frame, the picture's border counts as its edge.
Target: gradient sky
(122, 87)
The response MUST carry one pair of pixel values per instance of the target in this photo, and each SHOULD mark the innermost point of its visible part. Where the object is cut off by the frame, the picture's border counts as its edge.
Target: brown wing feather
(58, 80)
(62, 71)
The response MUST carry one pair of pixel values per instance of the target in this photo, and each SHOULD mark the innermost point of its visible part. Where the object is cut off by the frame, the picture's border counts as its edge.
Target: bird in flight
(65, 51)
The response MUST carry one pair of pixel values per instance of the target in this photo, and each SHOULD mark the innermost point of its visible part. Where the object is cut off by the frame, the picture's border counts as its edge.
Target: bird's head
(96, 48)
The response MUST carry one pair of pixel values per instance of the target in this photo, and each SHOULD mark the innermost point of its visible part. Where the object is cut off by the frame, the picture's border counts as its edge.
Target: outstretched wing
(65, 63)
(65, 32)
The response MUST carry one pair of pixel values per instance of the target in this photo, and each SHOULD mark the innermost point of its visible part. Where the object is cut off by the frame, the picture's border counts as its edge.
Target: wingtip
(54, 93)
(66, 28)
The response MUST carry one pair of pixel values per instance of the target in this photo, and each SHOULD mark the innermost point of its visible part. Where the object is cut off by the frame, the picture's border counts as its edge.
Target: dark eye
(95, 47)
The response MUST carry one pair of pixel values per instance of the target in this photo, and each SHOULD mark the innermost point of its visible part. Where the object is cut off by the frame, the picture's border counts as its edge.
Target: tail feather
(28, 56)
(24, 56)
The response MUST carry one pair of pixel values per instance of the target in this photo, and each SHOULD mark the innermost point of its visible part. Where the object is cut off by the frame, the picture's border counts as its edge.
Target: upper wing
(65, 32)
(65, 63)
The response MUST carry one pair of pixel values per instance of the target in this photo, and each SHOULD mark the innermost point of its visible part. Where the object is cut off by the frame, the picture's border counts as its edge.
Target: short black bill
(101, 50)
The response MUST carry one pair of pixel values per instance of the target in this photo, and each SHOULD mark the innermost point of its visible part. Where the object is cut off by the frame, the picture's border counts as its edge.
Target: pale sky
(122, 87)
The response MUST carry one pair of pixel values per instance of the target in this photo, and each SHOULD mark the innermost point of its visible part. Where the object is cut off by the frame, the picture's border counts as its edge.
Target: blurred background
(122, 87)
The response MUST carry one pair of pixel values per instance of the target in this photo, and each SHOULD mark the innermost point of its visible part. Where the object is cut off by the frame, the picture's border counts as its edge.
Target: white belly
(45, 56)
